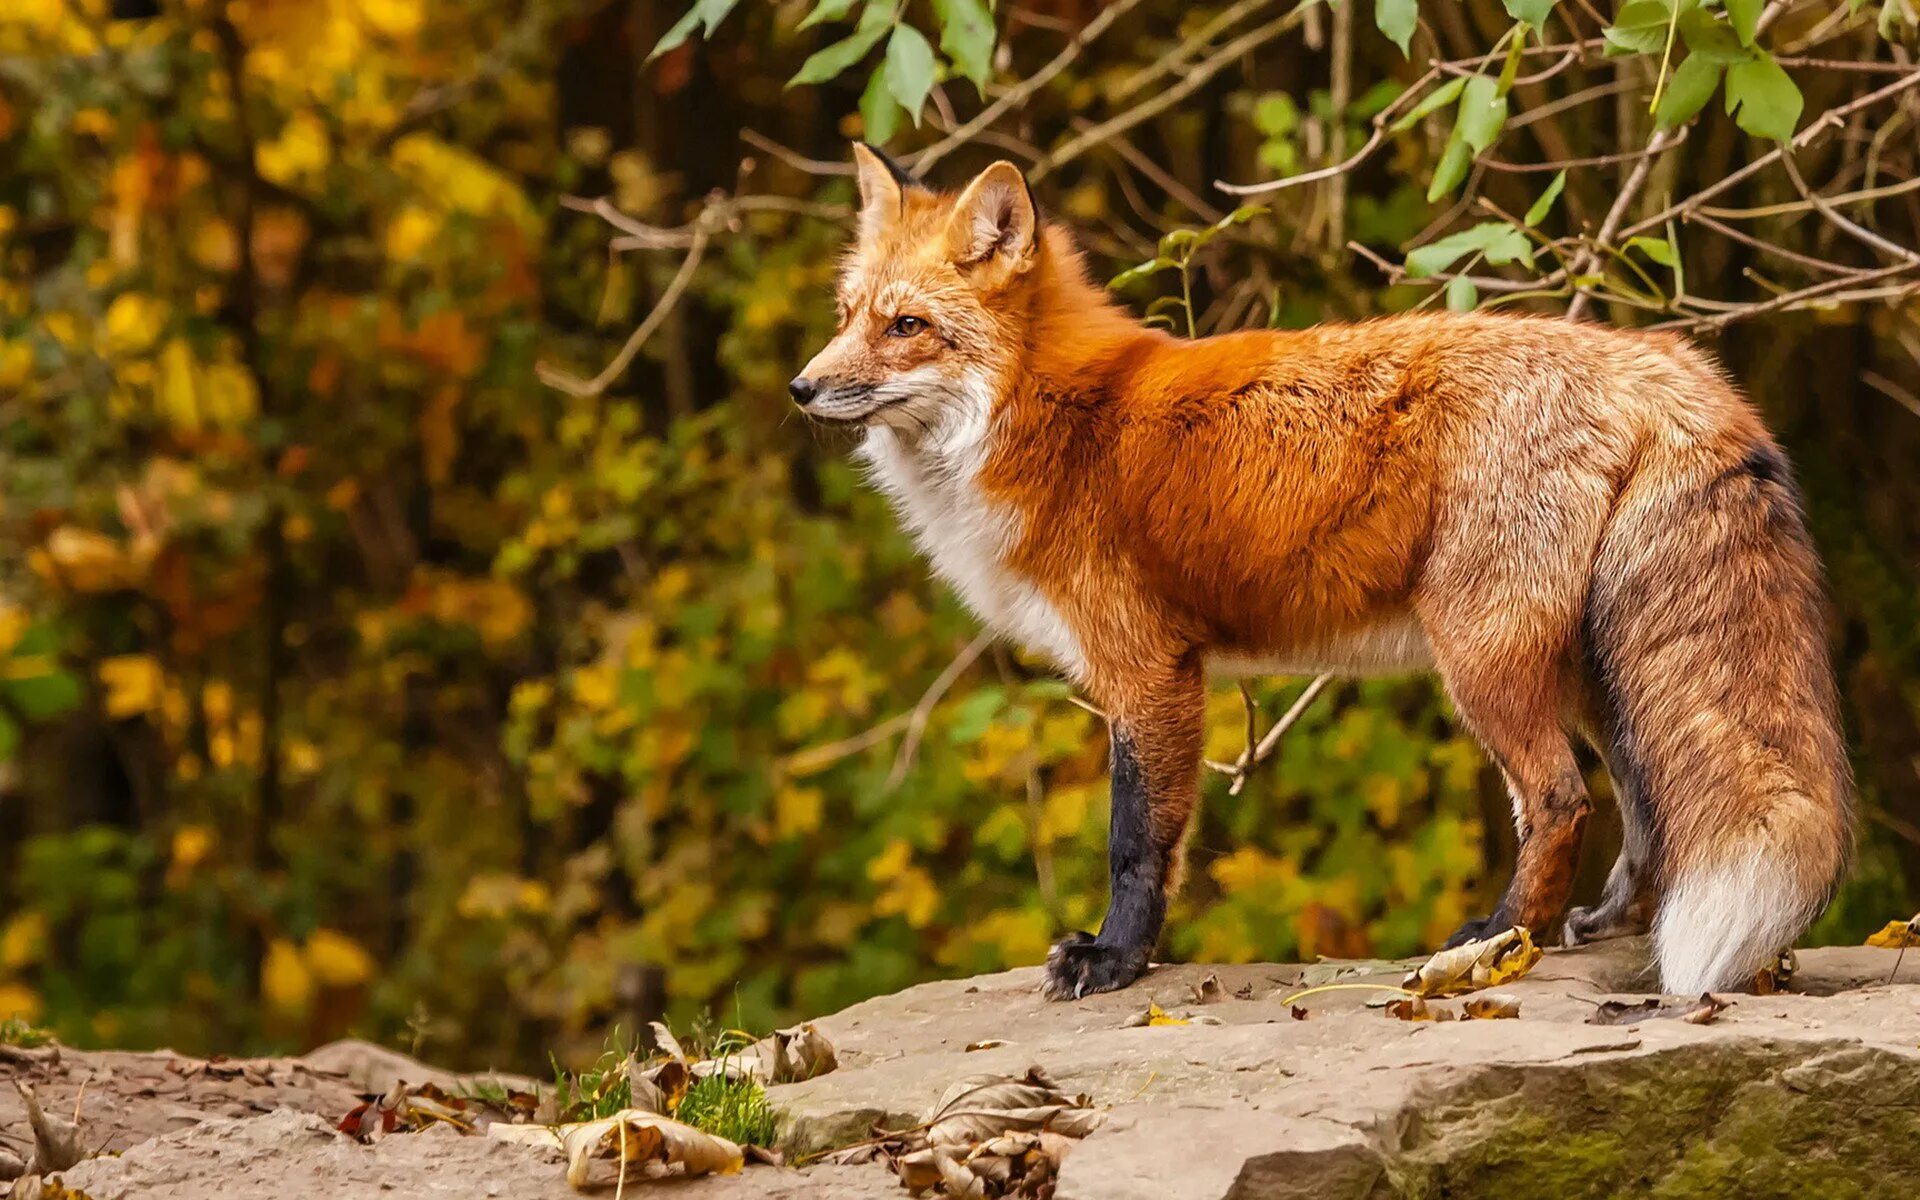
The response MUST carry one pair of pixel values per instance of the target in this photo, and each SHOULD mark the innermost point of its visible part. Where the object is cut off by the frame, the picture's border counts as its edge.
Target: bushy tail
(1707, 626)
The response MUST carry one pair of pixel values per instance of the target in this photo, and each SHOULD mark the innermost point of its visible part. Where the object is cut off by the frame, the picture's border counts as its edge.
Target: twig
(1017, 96)
(1583, 263)
(573, 385)
(1274, 185)
(1833, 118)
(1834, 217)
(917, 719)
(793, 158)
(1254, 754)
(1195, 78)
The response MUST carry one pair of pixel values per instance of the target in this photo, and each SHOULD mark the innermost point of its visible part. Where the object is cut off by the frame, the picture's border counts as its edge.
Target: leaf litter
(627, 1110)
(988, 1136)
(1695, 1012)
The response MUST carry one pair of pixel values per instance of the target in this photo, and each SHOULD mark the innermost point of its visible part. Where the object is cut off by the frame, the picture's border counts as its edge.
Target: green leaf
(829, 62)
(1137, 273)
(879, 112)
(1708, 37)
(1438, 98)
(1499, 242)
(1462, 295)
(1178, 243)
(910, 68)
(1763, 98)
(1483, 112)
(1688, 91)
(1276, 115)
(1397, 19)
(827, 10)
(9, 737)
(1544, 204)
(1640, 27)
(1533, 12)
(1240, 216)
(1659, 250)
(706, 14)
(39, 697)
(966, 37)
(1451, 169)
(1745, 16)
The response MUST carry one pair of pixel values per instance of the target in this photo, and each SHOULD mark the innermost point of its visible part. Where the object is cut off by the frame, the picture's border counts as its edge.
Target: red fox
(1586, 532)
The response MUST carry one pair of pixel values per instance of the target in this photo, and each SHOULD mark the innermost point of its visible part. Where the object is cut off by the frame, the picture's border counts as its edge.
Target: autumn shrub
(361, 672)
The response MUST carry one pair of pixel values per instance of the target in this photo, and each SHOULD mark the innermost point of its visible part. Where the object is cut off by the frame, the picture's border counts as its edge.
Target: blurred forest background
(372, 660)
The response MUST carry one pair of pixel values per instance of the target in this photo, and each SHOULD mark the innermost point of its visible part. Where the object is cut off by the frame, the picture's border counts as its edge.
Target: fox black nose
(803, 390)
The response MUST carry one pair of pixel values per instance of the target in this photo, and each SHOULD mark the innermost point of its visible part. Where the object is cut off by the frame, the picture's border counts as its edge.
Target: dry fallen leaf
(1209, 991)
(1898, 935)
(1489, 962)
(1695, 1012)
(1491, 1007)
(990, 1136)
(56, 1141)
(1412, 1008)
(783, 1056)
(632, 1136)
(985, 1044)
(1154, 1015)
(985, 1106)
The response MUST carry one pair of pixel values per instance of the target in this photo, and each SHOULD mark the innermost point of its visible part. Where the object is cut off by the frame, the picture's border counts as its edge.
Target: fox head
(930, 300)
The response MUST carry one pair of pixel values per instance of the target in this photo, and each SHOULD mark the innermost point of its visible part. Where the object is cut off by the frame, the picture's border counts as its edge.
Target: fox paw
(1473, 931)
(1080, 966)
(1597, 924)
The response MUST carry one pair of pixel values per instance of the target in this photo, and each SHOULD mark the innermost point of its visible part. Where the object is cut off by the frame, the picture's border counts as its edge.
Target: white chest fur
(933, 484)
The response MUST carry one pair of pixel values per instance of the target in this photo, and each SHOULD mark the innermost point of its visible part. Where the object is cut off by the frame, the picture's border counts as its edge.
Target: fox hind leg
(1507, 692)
(1627, 902)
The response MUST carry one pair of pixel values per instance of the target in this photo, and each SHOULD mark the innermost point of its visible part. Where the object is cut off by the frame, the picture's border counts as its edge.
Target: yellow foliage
(1249, 868)
(19, 1000)
(232, 397)
(133, 323)
(394, 18)
(913, 895)
(797, 810)
(23, 941)
(16, 364)
(178, 395)
(192, 844)
(336, 960)
(493, 608)
(411, 232)
(461, 180)
(85, 561)
(13, 625)
(298, 155)
(890, 862)
(596, 686)
(133, 684)
(286, 984)
(1065, 810)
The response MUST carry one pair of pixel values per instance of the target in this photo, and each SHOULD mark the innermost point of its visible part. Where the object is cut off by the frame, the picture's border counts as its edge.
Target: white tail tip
(1719, 926)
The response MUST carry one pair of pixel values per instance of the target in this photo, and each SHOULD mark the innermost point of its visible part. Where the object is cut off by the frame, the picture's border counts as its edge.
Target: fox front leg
(1155, 758)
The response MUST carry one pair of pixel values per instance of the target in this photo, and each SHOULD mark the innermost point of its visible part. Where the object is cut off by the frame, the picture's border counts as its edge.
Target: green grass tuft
(16, 1031)
(735, 1109)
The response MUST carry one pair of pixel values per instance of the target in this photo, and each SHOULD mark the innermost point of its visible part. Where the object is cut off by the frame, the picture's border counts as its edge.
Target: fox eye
(905, 327)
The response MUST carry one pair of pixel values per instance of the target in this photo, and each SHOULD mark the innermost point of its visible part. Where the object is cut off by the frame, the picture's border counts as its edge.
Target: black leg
(1082, 964)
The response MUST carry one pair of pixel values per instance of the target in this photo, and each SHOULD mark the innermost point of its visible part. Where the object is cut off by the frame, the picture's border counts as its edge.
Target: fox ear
(883, 185)
(993, 221)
